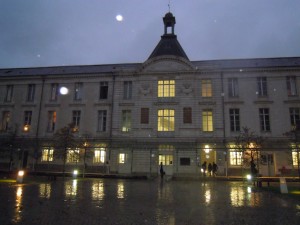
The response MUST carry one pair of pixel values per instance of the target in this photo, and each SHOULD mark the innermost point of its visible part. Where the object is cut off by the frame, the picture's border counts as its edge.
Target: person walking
(214, 169)
(161, 170)
(210, 167)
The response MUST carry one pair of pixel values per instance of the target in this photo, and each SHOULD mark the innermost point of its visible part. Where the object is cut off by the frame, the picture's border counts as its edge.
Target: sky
(41, 33)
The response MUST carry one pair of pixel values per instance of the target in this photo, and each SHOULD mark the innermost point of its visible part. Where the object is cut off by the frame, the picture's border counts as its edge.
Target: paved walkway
(117, 201)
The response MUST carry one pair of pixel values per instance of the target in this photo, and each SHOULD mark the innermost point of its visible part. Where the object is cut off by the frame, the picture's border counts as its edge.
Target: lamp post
(84, 158)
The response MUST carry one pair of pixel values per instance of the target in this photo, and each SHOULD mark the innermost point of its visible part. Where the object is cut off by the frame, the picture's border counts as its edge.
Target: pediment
(167, 64)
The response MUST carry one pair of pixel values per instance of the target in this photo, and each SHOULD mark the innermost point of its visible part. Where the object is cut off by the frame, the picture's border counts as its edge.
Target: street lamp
(84, 158)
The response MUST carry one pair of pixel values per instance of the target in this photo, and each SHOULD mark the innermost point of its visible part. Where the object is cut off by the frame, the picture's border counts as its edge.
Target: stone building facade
(170, 110)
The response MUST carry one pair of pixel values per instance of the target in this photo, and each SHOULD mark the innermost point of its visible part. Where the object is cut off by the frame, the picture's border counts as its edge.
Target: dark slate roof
(133, 67)
(248, 63)
(64, 70)
(168, 45)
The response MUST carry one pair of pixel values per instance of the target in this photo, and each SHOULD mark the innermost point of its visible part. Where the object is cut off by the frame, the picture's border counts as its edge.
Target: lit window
(262, 86)
(206, 88)
(73, 155)
(99, 155)
(122, 158)
(291, 85)
(166, 120)
(127, 90)
(295, 157)
(207, 120)
(47, 154)
(166, 88)
(51, 121)
(126, 120)
(235, 156)
(165, 160)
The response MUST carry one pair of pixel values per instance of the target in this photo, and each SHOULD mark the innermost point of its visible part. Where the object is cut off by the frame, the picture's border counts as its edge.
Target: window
(126, 120)
(5, 121)
(9, 93)
(295, 117)
(122, 158)
(207, 120)
(99, 155)
(47, 154)
(291, 85)
(103, 90)
(187, 115)
(73, 155)
(145, 115)
(51, 121)
(264, 118)
(295, 157)
(166, 120)
(185, 161)
(102, 116)
(206, 87)
(76, 119)
(54, 92)
(127, 90)
(262, 86)
(235, 156)
(233, 87)
(78, 92)
(166, 88)
(234, 115)
(27, 120)
(166, 160)
(30, 92)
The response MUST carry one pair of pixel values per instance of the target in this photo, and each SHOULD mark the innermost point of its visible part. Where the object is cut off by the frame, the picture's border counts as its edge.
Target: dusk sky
(37, 33)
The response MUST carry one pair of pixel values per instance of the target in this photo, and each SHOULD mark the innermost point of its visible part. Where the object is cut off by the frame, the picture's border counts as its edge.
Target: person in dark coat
(161, 170)
(210, 168)
(214, 169)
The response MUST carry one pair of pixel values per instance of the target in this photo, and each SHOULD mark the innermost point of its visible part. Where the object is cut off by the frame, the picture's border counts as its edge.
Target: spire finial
(169, 5)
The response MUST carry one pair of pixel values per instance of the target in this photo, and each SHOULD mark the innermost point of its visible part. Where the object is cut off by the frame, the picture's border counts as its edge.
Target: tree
(250, 145)
(65, 141)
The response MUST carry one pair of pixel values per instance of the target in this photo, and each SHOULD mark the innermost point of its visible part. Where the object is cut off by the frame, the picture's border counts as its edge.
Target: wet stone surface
(116, 201)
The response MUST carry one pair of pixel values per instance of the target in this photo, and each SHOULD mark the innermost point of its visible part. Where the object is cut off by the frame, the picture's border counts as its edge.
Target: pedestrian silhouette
(204, 168)
(214, 169)
(210, 168)
(161, 170)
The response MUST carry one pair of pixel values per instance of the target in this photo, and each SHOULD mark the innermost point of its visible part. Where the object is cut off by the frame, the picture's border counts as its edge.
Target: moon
(119, 18)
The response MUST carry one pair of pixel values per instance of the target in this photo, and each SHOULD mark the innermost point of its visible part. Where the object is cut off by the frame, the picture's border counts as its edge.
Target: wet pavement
(117, 201)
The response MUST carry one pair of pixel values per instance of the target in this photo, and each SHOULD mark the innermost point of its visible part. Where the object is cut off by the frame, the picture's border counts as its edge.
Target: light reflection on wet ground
(106, 201)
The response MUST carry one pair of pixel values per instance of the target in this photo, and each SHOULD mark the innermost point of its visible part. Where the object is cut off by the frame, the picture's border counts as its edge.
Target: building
(131, 117)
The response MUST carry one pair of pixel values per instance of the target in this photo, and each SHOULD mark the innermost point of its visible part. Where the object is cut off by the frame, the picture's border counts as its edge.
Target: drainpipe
(111, 114)
(223, 123)
(38, 125)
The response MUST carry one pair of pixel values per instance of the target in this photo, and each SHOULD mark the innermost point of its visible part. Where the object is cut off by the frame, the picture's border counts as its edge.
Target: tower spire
(169, 5)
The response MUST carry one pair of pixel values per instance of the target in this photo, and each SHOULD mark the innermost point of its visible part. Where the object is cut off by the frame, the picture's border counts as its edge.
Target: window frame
(206, 88)
(126, 120)
(264, 119)
(234, 119)
(291, 83)
(262, 86)
(103, 90)
(127, 92)
(165, 120)
(102, 121)
(233, 88)
(166, 88)
(207, 120)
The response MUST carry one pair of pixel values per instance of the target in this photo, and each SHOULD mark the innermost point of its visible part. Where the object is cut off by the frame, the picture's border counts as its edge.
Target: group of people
(211, 169)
